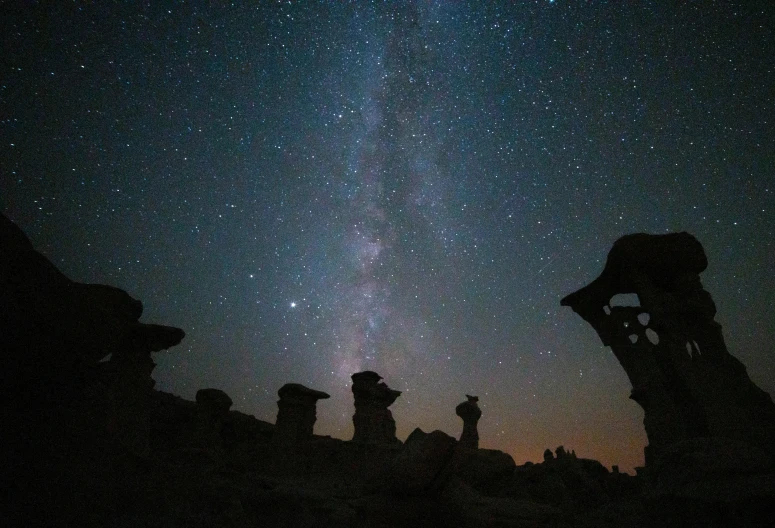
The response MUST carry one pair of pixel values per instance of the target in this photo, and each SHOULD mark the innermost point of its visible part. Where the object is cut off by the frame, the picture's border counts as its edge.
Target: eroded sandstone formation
(296, 412)
(373, 420)
(470, 413)
(672, 349)
(214, 403)
(76, 364)
(75, 426)
(53, 334)
(129, 384)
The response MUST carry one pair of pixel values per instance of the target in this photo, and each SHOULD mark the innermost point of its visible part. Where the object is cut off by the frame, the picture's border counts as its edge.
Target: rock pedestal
(470, 413)
(130, 383)
(373, 420)
(296, 412)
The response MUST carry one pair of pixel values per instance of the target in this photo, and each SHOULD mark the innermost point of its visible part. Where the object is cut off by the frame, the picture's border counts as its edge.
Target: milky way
(314, 189)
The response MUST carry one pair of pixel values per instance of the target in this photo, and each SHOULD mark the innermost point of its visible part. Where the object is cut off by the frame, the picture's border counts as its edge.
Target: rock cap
(299, 391)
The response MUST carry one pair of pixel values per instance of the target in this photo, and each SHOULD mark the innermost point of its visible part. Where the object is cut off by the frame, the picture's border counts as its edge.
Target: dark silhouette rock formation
(572, 483)
(69, 414)
(671, 347)
(212, 411)
(373, 420)
(296, 412)
(126, 379)
(470, 413)
(90, 443)
(485, 470)
(707, 423)
(54, 332)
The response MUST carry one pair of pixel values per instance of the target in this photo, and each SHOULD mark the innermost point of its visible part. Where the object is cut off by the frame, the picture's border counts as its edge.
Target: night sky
(314, 189)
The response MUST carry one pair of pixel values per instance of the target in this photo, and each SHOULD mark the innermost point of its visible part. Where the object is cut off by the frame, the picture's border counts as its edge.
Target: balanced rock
(470, 413)
(296, 412)
(373, 420)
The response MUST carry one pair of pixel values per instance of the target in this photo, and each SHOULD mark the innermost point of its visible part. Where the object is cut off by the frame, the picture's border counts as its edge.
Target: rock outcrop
(709, 426)
(373, 420)
(76, 362)
(54, 332)
(671, 347)
(296, 412)
(214, 402)
(470, 413)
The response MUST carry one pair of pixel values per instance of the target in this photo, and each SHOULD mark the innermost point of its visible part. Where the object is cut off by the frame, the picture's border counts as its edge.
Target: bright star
(293, 305)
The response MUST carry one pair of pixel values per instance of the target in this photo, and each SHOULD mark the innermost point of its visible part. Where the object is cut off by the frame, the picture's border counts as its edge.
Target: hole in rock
(625, 299)
(633, 338)
(652, 336)
(644, 318)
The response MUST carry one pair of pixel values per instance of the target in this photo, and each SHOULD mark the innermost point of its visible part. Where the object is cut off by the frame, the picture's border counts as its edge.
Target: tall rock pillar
(373, 420)
(470, 413)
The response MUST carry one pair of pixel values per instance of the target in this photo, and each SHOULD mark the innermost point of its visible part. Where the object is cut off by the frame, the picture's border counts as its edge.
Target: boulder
(420, 464)
(486, 470)
(214, 402)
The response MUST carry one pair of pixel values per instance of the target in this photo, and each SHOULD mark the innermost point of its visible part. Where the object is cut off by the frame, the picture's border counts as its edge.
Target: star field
(314, 189)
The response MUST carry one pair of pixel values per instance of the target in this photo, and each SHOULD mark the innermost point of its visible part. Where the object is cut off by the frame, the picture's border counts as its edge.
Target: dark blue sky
(313, 189)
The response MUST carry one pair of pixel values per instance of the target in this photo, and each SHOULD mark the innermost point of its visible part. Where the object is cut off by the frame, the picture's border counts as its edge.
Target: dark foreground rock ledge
(69, 420)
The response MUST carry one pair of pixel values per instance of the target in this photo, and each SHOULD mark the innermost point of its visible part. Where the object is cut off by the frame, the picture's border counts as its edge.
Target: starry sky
(311, 189)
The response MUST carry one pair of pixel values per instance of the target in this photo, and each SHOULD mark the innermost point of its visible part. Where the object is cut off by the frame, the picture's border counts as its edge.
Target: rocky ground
(227, 470)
